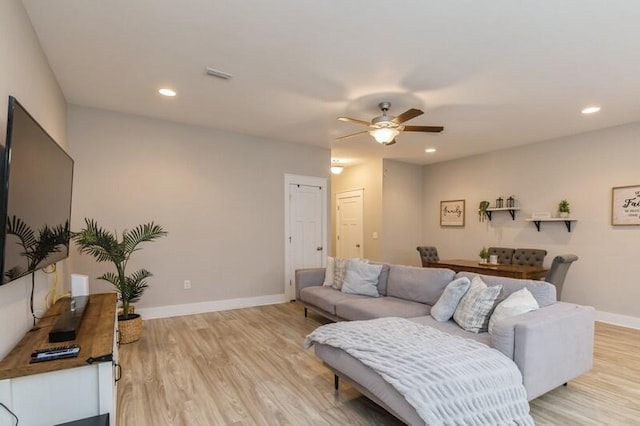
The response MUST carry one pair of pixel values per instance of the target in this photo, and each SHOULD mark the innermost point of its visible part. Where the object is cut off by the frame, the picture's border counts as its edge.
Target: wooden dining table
(500, 270)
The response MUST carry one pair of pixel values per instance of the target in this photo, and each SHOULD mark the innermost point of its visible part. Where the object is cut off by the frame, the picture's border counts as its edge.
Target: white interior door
(306, 236)
(349, 228)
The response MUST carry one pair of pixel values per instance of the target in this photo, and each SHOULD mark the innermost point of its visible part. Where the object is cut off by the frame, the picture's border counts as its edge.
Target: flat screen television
(35, 197)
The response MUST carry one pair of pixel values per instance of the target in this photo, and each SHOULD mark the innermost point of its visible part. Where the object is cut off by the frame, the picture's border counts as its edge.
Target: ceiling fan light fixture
(384, 135)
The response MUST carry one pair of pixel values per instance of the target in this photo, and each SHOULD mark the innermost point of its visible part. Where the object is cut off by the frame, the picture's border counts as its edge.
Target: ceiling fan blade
(354, 120)
(407, 115)
(431, 129)
(390, 143)
(352, 134)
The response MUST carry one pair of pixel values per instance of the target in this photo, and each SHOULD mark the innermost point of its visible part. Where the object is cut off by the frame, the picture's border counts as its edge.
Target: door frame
(348, 194)
(291, 179)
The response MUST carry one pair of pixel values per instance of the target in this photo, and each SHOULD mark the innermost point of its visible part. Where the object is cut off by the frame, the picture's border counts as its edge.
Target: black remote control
(50, 356)
(53, 350)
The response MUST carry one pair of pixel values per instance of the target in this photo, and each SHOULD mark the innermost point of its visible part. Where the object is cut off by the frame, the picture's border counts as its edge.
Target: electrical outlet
(187, 284)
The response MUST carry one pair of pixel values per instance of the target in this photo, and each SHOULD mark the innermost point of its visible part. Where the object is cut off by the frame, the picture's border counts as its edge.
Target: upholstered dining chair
(428, 254)
(504, 254)
(529, 257)
(558, 271)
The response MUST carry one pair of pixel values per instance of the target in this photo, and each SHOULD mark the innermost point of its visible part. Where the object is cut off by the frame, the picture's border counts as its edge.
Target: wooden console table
(64, 390)
(500, 270)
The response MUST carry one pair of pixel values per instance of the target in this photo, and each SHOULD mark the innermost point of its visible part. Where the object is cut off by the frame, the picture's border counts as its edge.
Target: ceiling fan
(385, 128)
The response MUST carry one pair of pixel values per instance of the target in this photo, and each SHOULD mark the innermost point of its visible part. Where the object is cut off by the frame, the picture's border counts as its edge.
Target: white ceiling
(495, 73)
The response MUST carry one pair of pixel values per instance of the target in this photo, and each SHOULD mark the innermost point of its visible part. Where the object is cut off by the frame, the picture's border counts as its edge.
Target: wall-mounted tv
(35, 197)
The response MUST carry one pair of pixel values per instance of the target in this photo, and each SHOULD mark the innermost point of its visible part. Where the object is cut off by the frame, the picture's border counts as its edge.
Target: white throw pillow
(472, 313)
(339, 272)
(361, 278)
(517, 303)
(445, 307)
(330, 272)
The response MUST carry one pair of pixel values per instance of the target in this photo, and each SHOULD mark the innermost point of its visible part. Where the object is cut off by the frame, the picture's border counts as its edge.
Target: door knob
(358, 245)
(319, 248)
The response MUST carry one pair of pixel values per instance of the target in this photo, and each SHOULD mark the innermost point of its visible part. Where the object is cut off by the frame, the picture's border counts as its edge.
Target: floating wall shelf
(512, 211)
(567, 221)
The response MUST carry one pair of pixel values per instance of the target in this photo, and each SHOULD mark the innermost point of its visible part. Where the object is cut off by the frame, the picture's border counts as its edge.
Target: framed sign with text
(625, 205)
(452, 213)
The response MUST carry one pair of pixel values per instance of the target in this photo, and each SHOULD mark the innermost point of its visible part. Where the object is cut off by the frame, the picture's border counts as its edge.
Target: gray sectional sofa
(550, 346)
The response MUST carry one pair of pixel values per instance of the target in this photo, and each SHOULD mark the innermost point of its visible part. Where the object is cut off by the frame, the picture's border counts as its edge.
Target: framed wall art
(452, 213)
(625, 205)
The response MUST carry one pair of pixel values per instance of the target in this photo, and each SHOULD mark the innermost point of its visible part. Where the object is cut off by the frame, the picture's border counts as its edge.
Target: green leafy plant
(105, 246)
(482, 210)
(36, 248)
(484, 253)
(563, 207)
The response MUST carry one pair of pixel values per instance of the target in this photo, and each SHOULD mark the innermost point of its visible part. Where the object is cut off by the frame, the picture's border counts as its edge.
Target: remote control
(58, 354)
(54, 349)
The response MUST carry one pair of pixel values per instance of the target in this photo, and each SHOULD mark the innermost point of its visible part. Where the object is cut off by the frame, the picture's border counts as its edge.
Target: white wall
(25, 74)
(582, 169)
(219, 195)
(401, 212)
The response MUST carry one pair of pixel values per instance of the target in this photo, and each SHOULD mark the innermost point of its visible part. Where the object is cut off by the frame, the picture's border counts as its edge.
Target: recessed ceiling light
(167, 92)
(590, 110)
(430, 150)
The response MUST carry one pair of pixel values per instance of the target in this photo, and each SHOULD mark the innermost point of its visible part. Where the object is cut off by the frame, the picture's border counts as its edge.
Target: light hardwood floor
(248, 367)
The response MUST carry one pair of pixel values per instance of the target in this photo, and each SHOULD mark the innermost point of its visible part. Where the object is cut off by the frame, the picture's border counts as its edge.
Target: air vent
(219, 74)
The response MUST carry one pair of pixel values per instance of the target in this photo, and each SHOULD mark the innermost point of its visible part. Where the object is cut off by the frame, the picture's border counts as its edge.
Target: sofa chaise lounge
(550, 346)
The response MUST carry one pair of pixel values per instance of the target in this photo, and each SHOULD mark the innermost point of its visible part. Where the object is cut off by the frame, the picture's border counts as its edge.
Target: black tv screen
(35, 203)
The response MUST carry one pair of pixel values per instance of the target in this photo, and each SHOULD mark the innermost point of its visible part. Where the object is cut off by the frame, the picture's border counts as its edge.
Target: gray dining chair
(558, 271)
(504, 254)
(428, 254)
(528, 257)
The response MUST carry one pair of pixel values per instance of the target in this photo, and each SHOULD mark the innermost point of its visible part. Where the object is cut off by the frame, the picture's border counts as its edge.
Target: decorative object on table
(482, 210)
(105, 246)
(511, 201)
(484, 255)
(625, 205)
(452, 213)
(493, 259)
(564, 209)
(499, 203)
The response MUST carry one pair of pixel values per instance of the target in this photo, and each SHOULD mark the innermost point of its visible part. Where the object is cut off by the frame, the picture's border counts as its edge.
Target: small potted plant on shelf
(484, 255)
(105, 246)
(564, 208)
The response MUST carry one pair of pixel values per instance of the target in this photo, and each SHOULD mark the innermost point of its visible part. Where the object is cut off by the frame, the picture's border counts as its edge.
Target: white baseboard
(617, 319)
(209, 306)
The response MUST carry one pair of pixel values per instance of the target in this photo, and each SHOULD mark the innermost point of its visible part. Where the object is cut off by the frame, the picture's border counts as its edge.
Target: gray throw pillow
(445, 307)
(361, 278)
(472, 313)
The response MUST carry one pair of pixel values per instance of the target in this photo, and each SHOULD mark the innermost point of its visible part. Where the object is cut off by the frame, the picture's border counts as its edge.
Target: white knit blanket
(449, 380)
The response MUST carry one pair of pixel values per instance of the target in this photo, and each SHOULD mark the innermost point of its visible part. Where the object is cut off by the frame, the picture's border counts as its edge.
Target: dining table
(499, 269)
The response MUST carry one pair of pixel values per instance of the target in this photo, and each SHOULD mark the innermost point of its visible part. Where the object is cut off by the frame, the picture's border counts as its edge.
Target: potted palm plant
(105, 246)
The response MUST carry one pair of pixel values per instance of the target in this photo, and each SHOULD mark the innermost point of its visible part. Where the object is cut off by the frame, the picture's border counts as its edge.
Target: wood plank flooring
(248, 367)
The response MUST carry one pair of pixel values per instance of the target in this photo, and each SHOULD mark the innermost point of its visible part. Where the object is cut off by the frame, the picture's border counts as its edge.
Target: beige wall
(580, 168)
(25, 74)
(219, 195)
(367, 176)
(401, 212)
